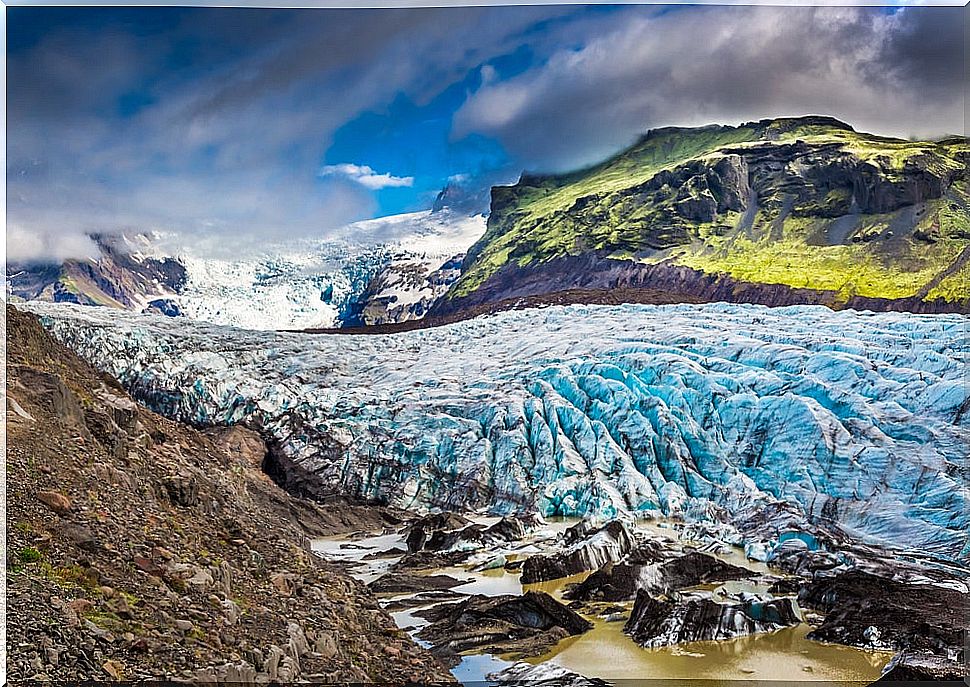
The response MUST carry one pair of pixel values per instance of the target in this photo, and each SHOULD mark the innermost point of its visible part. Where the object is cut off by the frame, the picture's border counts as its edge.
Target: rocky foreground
(668, 592)
(139, 548)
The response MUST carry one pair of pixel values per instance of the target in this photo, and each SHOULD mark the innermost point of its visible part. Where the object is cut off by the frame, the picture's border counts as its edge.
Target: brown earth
(139, 548)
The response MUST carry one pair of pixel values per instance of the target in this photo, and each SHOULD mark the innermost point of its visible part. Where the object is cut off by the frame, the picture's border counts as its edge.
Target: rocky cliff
(140, 549)
(783, 211)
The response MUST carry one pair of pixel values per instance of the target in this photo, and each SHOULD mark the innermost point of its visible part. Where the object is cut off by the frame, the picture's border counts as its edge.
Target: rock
(655, 623)
(596, 548)
(79, 535)
(906, 667)
(298, 644)
(508, 529)
(421, 530)
(399, 583)
(871, 611)
(183, 489)
(620, 581)
(116, 669)
(201, 579)
(284, 583)
(56, 501)
(147, 565)
(546, 674)
(526, 625)
(231, 611)
(184, 625)
(325, 645)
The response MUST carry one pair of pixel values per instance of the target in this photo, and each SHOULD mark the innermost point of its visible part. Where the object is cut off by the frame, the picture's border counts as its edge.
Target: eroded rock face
(907, 668)
(526, 625)
(655, 623)
(606, 544)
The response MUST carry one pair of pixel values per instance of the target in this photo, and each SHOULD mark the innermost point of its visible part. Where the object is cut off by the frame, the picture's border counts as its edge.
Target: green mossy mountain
(809, 205)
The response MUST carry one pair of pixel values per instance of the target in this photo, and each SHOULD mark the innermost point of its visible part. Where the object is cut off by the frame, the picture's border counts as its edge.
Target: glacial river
(606, 652)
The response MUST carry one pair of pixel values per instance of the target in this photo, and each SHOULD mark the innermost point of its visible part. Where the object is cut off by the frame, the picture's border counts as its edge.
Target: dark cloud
(894, 73)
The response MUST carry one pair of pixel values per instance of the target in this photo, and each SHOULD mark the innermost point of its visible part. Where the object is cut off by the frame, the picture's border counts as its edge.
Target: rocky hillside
(122, 277)
(138, 548)
(783, 211)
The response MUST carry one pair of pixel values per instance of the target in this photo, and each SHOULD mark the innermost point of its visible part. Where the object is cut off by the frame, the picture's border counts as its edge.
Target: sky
(229, 125)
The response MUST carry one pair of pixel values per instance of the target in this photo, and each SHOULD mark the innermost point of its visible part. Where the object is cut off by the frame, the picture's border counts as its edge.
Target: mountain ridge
(838, 217)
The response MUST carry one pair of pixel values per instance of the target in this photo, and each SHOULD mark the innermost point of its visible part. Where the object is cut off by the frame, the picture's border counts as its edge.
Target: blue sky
(274, 123)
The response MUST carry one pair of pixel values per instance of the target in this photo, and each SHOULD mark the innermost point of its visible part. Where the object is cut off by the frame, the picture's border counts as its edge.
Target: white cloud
(30, 246)
(366, 176)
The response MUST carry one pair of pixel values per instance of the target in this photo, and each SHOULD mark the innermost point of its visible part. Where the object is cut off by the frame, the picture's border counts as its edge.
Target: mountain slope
(126, 274)
(388, 269)
(139, 548)
(811, 209)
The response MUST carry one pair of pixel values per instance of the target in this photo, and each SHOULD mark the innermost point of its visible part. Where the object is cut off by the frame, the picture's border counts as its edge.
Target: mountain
(384, 270)
(750, 420)
(128, 273)
(141, 549)
(780, 211)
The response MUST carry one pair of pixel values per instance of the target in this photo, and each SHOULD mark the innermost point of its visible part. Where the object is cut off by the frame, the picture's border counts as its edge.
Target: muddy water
(605, 652)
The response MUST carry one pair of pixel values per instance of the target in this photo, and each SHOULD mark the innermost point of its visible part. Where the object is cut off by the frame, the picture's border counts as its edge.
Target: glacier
(713, 412)
(305, 283)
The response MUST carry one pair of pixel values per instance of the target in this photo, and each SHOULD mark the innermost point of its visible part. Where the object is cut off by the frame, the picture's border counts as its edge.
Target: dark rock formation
(621, 581)
(526, 625)
(403, 583)
(871, 611)
(906, 668)
(654, 622)
(597, 547)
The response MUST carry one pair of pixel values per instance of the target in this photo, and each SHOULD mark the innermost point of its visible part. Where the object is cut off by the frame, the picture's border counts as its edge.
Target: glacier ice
(706, 412)
(317, 282)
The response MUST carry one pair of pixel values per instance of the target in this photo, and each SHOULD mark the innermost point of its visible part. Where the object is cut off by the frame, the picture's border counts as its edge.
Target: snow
(704, 411)
(314, 283)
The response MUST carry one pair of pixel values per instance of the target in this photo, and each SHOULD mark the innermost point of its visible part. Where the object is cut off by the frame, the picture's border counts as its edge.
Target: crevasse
(704, 411)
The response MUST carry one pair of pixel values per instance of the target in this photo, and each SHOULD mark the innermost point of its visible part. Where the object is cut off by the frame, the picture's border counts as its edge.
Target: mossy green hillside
(806, 202)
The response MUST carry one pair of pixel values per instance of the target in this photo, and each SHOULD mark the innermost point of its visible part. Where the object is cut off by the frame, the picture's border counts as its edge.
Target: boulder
(654, 622)
(527, 625)
(594, 549)
(401, 583)
(56, 501)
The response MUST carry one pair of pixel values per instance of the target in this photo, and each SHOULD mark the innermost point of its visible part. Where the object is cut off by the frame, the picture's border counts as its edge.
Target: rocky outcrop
(909, 668)
(594, 276)
(706, 209)
(120, 276)
(597, 547)
(872, 611)
(654, 622)
(523, 626)
(640, 570)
